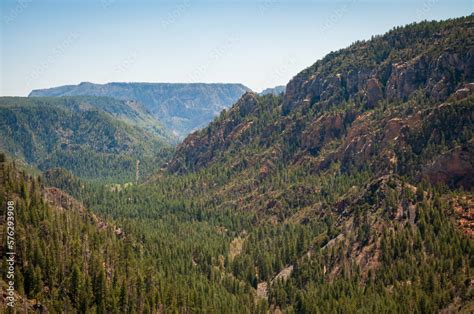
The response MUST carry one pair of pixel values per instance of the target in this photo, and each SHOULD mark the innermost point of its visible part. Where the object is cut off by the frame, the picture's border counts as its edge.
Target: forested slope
(352, 192)
(95, 138)
(150, 258)
(348, 145)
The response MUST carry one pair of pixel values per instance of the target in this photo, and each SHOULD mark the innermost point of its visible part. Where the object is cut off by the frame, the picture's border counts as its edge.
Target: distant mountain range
(180, 107)
(277, 90)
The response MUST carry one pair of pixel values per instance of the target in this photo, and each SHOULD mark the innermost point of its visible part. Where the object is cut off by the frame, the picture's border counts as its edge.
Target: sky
(257, 43)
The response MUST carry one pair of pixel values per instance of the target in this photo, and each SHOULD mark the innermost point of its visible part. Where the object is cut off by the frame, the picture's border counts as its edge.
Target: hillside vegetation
(351, 192)
(95, 138)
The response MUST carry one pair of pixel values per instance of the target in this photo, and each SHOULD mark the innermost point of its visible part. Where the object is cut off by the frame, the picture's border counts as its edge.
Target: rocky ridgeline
(364, 105)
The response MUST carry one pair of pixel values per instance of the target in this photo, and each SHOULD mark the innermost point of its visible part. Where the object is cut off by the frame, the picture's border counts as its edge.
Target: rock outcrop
(454, 168)
(334, 110)
(435, 71)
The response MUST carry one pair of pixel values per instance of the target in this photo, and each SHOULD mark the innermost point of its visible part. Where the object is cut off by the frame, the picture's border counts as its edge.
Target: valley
(351, 191)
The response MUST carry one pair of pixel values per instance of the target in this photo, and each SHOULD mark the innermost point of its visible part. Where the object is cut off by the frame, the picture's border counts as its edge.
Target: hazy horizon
(259, 44)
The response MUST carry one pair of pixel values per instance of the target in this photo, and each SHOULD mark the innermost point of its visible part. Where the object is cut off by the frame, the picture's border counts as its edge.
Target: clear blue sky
(257, 43)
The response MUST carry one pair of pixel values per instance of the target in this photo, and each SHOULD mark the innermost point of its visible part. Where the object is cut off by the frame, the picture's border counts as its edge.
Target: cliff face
(378, 104)
(432, 60)
(454, 167)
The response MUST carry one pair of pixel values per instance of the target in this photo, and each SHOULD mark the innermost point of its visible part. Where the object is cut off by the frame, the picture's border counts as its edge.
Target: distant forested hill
(182, 108)
(95, 138)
